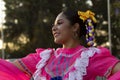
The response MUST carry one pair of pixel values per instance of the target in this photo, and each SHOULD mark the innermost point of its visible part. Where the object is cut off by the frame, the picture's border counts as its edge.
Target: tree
(28, 23)
(115, 26)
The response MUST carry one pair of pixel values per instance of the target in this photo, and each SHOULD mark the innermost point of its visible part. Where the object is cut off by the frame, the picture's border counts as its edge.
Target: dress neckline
(68, 51)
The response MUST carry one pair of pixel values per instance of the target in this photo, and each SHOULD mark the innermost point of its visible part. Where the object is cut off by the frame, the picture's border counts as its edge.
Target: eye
(59, 23)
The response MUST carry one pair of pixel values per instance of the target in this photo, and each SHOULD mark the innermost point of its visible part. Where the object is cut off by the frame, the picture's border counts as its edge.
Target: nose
(54, 28)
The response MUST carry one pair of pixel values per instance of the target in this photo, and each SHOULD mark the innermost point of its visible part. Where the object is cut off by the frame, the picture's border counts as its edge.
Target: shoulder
(104, 56)
(91, 51)
(44, 51)
(102, 63)
(99, 51)
(104, 50)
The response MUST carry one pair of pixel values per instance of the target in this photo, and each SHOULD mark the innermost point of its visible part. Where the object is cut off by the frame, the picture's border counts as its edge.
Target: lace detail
(45, 55)
(68, 55)
(81, 63)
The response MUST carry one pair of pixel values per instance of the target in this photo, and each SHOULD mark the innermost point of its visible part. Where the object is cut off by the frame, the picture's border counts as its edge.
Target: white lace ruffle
(45, 55)
(81, 63)
(68, 55)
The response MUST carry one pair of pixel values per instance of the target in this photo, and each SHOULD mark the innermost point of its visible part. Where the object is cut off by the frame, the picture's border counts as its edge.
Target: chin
(58, 41)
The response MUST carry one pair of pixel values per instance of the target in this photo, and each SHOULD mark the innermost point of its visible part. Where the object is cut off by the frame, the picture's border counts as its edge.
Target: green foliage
(30, 21)
(115, 26)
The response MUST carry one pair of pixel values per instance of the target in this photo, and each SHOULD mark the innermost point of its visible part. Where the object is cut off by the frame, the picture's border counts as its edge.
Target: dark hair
(73, 17)
(86, 27)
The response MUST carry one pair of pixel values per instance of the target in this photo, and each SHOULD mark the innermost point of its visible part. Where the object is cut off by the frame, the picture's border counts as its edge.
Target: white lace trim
(45, 55)
(68, 55)
(81, 63)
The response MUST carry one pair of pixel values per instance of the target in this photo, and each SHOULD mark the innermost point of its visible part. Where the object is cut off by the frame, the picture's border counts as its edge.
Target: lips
(56, 34)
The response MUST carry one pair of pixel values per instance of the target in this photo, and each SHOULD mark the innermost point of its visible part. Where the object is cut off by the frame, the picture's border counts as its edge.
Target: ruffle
(68, 52)
(45, 55)
(81, 63)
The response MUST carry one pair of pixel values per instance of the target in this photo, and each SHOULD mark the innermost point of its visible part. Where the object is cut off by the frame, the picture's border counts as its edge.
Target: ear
(76, 27)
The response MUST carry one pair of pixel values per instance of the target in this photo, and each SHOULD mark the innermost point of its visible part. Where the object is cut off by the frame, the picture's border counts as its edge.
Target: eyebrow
(59, 20)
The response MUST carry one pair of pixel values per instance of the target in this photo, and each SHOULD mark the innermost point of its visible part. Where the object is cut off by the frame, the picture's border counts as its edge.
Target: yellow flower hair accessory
(88, 14)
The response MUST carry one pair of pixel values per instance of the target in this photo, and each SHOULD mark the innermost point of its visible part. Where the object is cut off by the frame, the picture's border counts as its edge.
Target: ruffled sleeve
(29, 62)
(102, 63)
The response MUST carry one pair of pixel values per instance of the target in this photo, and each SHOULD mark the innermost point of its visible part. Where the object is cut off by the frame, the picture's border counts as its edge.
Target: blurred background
(26, 24)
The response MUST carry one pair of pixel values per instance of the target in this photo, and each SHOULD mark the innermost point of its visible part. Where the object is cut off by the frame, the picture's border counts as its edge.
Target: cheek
(66, 32)
(65, 35)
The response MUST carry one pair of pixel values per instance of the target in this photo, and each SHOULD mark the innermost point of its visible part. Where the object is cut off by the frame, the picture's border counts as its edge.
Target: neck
(71, 44)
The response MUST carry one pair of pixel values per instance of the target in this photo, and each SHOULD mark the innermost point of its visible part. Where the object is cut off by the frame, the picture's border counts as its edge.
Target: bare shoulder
(116, 68)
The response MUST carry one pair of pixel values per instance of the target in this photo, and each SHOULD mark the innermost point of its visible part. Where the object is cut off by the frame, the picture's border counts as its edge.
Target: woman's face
(62, 29)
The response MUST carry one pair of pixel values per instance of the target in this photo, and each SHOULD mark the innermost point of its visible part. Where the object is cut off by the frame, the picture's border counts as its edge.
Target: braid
(86, 22)
(90, 33)
(89, 20)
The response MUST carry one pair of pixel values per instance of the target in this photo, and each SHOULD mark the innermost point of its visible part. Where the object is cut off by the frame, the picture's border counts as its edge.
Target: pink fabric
(9, 72)
(116, 76)
(99, 65)
(32, 59)
(61, 65)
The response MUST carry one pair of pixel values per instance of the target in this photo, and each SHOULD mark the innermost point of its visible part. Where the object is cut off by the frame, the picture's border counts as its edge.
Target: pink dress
(9, 72)
(77, 63)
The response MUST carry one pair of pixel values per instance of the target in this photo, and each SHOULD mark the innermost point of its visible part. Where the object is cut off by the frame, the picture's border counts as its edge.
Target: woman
(71, 62)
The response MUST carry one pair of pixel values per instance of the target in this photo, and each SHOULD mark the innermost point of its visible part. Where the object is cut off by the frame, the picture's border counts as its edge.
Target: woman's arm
(115, 74)
(105, 64)
(28, 64)
(20, 67)
(116, 68)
